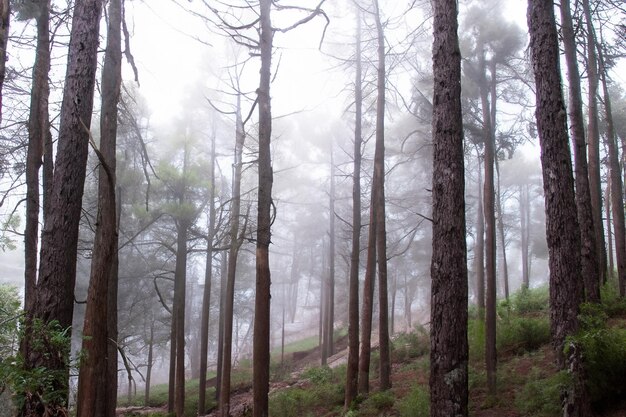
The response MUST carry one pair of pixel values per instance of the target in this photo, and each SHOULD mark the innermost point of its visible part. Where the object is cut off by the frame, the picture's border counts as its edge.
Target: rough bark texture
(589, 255)
(57, 273)
(381, 231)
(5, 18)
(593, 139)
(261, 344)
(563, 234)
(38, 131)
(180, 284)
(352, 371)
(226, 317)
(206, 296)
(524, 203)
(448, 337)
(92, 391)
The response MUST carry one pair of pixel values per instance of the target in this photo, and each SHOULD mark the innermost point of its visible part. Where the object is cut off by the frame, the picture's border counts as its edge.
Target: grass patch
(541, 396)
(415, 404)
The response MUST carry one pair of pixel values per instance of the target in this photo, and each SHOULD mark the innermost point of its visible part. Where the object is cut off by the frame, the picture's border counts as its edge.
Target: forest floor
(529, 383)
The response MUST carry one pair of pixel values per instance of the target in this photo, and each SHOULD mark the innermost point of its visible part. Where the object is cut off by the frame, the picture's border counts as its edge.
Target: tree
(589, 254)
(94, 378)
(261, 349)
(562, 225)
(352, 373)
(5, 17)
(57, 272)
(448, 339)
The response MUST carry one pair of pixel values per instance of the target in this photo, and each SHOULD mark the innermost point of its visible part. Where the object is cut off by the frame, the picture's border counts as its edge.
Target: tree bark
(381, 231)
(617, 194)
(206, 296)
(330, 319)
(524, 202)
(92, 392)
(57, 273)
(593, 139)
(589, 255)
(38, 131)
(563, 234)
(448, 337)
(180, 283)
(490, 225)
(479, 246)
(226, 317)
(5, 19)
(352, 370)
(261, 348)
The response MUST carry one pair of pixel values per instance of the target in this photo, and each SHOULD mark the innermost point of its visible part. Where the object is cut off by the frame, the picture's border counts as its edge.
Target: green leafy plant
(415, 404)
(541, 396)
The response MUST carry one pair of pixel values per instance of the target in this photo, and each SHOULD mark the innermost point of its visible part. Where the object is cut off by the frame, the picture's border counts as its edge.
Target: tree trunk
(180, 282)
(171, 387)
(352, 370)
(381, 232)
(589, 255)
(5, 18)
(593, 139)
(228, 290)
(524, 203)
(448, 337)
(146, 398)
(220, 333)
(563, 234)
(500, 224)
(330, 319)
(490, 226)
(617, 194)
(38, 131)
(92, 392)
(206, 296)
(609, 230)
(57, 273)
(479, 247)
(261, 348)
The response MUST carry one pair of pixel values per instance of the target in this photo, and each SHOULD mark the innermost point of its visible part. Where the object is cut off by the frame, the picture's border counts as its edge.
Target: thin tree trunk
(617, 193)
(5, 18)
(57, 273)
(38, 131)
(352, 370)
(490, 227)
(593, 140)
(261, 348)
(171, 389)
(589, 255)
(206, 296)
(381, 232)
(180, 283)
(523, 206)
(609, 229)
(500, 223)
(330, 319)
(146, 398)
(92, 392)
(479, 247)
(220, 335)
(448, 337)
(229, 291)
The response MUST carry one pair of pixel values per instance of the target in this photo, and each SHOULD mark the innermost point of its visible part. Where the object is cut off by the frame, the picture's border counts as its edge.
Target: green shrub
(318, 375)
(614, 305)
(522, 334)
(476, 339)
(376, 403)
(293, 402)
(408, 346)
(416, 404)
(531, 300)
(541, 397)
(604, 355)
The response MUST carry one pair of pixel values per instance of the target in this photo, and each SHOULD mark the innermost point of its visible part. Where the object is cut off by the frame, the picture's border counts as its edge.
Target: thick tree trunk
(228, 287)
(448, 337)
(381, 231)
(206, 296)
(5, 18)
(352, 371)
(589, 254)
(261, 349)
(57, 273)
(562, 230)
(593, 139)
(92, 392)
